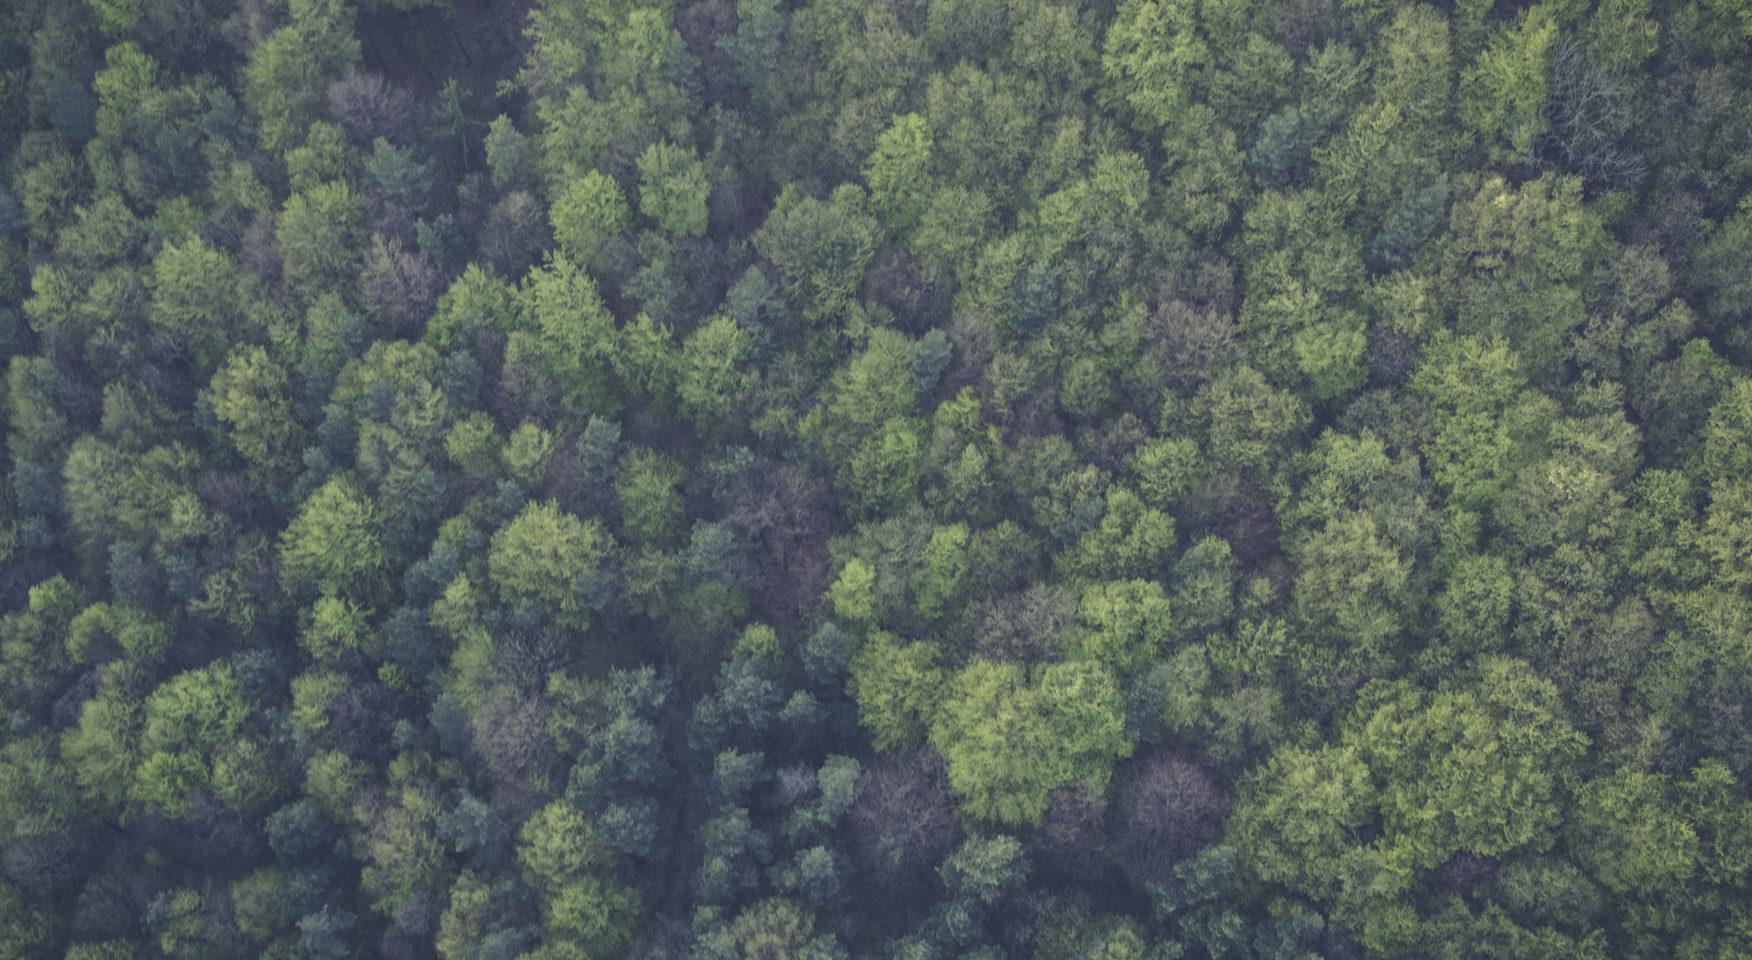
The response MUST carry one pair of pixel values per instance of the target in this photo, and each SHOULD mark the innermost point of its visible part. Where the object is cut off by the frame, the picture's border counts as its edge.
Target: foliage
(947, 479)
(334, 544)
(537, 555)
(1010, 739)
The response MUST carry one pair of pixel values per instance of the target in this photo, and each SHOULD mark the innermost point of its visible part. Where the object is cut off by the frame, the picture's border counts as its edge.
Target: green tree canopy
(334, 544)
(1010, 740)
(539, 555)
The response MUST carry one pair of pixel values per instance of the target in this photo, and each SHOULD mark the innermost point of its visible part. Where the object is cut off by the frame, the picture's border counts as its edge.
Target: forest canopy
(878, 480)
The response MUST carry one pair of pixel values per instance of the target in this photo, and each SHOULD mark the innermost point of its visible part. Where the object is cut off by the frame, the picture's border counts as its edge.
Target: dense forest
(901, 479)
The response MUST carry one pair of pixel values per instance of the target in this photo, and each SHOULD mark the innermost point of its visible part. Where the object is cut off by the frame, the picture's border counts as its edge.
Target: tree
(1407, 224)
(251, 394)
(406, 856)
(104, 233)
(527, 453)
(930, 356)
(584, 909)
(474, 444)
(897, 688)
(399, 174)
(49, 190)
(983, 868)
(538, 555)
(1719, 270)
(566, 334)
(902, 820)
(370, 106)
(884, 471)
(476, 300)
(286, 81)
(1502, 93)
(651, 510)
(1010, 742)
(1152, 59)
(1349, 592)
(1484, 420)
(714, 372)
(200, 299)
(673, 189)
(335, 543)
(821, 249)
(755, 44)
(940, 581)
(146, 495)
(324, 933)
(509, 153)
(1166, 470)
(397, 285)
(1167, 808)
(1515, 260)
(337, 627)
(184, 721)
(514, 235)
(897, 172)
(320, 237)
(588, 216)
(325, 156)
(1474, 609)
(1285, 140)
(103, 748)
(773, 929)
(875, 388)
(1626, 830)
(1248, 419)
(243, 776)
(1473, 767)
(1125, 623)
(1297, 816)
(596, 448)
(1129, 540)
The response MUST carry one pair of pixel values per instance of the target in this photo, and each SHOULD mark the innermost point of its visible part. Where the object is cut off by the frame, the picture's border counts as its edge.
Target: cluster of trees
(914, 479)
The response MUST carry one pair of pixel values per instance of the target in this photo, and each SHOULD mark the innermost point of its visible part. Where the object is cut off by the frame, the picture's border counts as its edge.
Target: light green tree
(1502, 94)
(251, 393)
(1626, 828)
(1010, 741)
(673, 188)
(650, 505)
(539, 555)
(1515, 262)
(1152, 60)
(1485, 422)
(320, 235)
(1475, 766)
(104, 748)
(589, 214)
(586, 912)
(1349, 590)
(334, 545)
(336, 628)
(1298, 816)
(566, 334)
(527, 453)
(714, 372)
(939, 582)
(897, 688)
(1130, 540)
(286, 80)
(1125, 623)
(200, 299)
(821, 249)
(897, 173)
